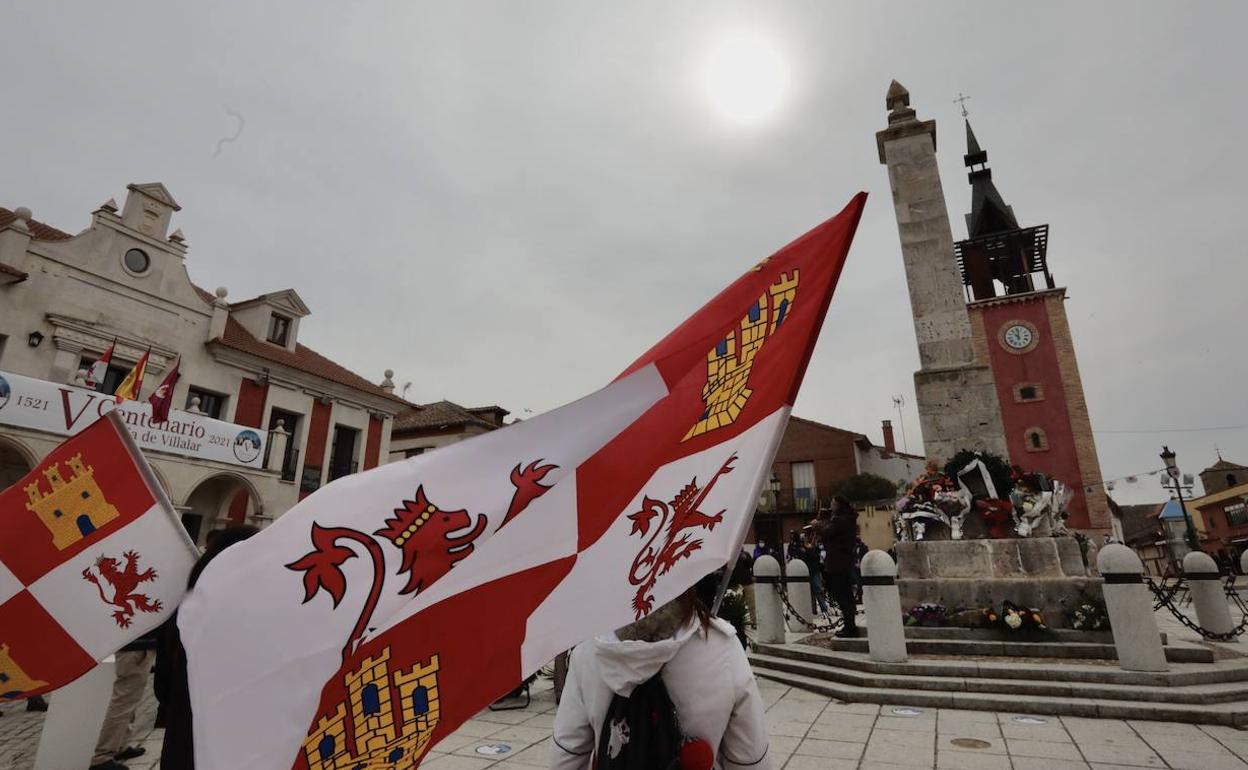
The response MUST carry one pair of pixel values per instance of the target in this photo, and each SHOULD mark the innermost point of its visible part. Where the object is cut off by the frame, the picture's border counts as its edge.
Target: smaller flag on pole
(92, 556)
(99, 369)
(162, 398)
(129, 387)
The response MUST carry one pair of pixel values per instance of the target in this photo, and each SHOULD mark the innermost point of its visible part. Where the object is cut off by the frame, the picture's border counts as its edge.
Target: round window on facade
(137, 261)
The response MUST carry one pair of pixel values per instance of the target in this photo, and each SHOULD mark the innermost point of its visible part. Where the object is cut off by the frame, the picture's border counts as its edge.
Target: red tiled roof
(855, 434)
(38, 230)
(1223, 465)
(439, 414)
(303, 358)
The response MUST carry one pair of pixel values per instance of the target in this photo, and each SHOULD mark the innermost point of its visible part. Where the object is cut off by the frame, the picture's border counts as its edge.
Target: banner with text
(66, 410)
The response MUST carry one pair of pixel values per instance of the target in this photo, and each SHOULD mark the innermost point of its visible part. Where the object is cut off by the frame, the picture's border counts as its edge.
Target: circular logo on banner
(5, 392)
(247, 446)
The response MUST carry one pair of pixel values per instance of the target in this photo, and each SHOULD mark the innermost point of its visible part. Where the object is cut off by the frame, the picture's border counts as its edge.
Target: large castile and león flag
(92, 555)
(379, 614)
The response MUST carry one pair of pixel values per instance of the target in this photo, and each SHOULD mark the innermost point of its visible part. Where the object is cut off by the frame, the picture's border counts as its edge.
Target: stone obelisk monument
(955, 393)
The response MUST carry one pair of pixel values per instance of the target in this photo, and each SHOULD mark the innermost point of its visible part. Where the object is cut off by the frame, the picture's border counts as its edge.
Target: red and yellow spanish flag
(129, 387)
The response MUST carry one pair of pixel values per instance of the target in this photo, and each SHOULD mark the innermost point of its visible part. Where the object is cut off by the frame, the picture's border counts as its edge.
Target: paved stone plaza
(811, 732)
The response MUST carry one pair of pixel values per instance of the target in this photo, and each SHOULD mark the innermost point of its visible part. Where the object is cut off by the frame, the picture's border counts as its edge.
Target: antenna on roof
(899, 401)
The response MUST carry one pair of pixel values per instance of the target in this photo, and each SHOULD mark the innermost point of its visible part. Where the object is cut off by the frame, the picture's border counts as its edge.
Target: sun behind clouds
(746, 76)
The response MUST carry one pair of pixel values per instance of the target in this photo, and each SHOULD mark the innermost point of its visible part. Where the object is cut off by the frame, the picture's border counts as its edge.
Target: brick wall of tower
(1099, 516)
(1068, 451)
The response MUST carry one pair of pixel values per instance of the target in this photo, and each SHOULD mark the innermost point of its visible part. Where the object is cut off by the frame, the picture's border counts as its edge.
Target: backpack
(640, 732)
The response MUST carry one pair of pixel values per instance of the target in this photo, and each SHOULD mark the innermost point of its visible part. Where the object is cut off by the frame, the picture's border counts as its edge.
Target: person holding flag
(129, 388)
(397, 603)
(99, 369)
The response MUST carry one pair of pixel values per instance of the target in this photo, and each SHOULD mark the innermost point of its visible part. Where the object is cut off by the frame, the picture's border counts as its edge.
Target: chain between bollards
(789, 611)
(1164, 596)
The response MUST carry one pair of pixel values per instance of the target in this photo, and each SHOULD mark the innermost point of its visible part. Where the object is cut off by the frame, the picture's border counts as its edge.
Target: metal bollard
(886, 637)
(1208, 596)
(770, 613)
(1130, 607)
(797, 586)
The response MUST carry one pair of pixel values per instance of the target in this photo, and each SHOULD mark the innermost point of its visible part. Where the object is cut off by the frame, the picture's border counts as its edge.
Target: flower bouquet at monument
(927, 614)
(933, 499)
(1089, 615)
(1014, 618)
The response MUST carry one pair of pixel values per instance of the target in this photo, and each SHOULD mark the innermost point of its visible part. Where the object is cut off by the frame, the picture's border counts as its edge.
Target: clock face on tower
(1018, 336)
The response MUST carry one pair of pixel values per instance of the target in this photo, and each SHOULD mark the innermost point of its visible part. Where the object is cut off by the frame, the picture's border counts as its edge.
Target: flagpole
(145, 470)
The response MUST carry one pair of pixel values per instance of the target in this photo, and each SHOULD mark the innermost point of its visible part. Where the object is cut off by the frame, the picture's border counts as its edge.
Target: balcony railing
(338, 470)
(806, 500)
(290, 464)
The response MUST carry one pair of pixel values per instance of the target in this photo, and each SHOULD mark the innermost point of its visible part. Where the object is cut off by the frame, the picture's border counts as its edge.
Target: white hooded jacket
(707, 677)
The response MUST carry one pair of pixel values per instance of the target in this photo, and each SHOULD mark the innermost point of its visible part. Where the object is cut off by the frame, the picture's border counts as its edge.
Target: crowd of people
(831, 549)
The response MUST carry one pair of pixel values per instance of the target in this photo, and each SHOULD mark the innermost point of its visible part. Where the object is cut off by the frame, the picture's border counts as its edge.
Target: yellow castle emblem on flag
(730, 362)
(392, 717)
(74, 508)
(14, 682)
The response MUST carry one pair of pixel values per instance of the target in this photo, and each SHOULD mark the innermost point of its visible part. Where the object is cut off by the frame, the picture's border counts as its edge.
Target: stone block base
(958, 410)
(1042, 572)
(1047, 557)
(1054, 597)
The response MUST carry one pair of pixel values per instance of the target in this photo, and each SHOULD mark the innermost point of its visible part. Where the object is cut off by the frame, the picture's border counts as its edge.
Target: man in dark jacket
(838, 533)
(170, 685)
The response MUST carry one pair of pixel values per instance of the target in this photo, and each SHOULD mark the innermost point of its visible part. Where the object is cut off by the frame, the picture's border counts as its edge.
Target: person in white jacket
(703, 668)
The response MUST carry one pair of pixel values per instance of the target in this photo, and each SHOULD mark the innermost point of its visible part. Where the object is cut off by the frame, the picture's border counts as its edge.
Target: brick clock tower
(1019, 329)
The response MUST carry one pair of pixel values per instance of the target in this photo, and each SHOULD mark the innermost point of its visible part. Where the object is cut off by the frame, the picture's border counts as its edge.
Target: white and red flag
(162, 398)
(92, 556)
(99, 369)
(380, 613)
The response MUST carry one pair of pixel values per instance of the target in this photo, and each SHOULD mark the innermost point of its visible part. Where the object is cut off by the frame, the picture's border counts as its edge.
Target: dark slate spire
(989, 212)
(974, 155)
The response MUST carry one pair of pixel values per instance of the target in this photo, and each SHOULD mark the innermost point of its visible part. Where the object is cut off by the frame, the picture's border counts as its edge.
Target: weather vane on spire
(961, 102)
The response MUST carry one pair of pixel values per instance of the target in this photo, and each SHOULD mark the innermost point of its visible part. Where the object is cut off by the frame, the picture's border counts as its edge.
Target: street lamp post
(1172, 468)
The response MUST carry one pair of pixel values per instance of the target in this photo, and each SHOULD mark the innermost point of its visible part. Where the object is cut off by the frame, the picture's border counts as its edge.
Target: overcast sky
(507, 202)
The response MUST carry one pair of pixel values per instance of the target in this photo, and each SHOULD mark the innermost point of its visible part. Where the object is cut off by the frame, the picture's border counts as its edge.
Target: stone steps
(1026, 681)
(1180, 674)
(994, 635)
(1194, 693)
(1231, 714)
(983, 647)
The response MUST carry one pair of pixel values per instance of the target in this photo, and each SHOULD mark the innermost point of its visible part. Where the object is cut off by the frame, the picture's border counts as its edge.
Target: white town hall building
(260, 420)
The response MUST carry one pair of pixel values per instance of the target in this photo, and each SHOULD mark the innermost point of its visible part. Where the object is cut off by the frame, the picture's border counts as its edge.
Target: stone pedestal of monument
(1042, 572)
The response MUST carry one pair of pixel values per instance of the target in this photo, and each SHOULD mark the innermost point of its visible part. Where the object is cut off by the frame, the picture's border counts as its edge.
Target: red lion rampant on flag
(680, 514)
(431, 539)
(123, 581)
